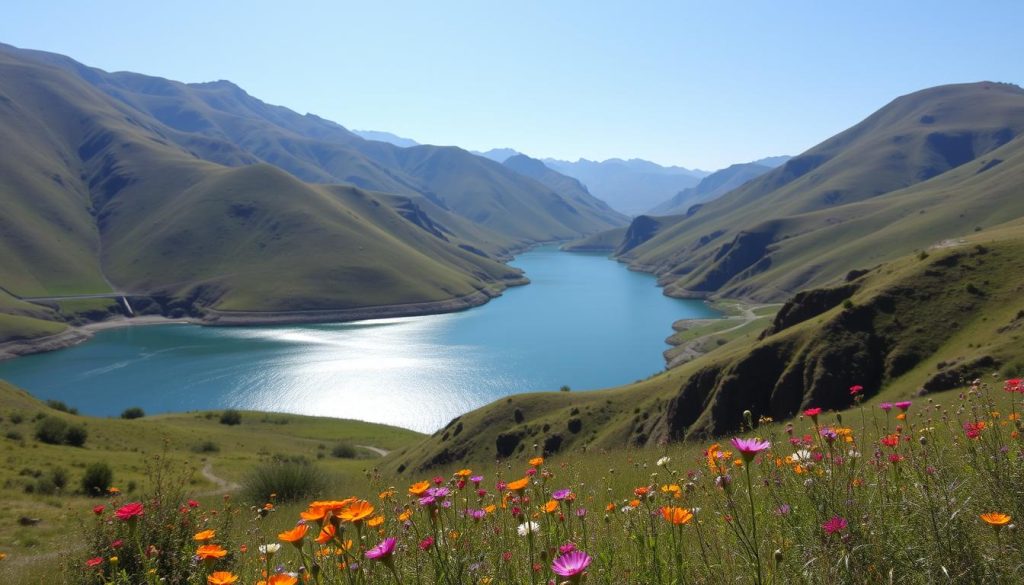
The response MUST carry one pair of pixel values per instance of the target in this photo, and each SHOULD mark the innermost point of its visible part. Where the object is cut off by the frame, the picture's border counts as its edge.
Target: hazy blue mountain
(711, 187)
(772, 161)
(386, 137)
(630, 186)
(497, 154)
(567, 187)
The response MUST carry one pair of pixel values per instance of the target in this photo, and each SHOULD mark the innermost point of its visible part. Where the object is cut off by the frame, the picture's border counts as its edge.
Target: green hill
(930, 166)
(919, 324)
(97, 198)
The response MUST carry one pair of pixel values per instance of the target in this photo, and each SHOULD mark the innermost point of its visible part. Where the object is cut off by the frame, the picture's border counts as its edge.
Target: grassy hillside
(710, 187)
(99, 196)
(920, 322)
(929, 166)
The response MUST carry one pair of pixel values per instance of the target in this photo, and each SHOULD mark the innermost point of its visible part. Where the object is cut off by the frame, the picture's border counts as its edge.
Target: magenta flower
(749, 448)
(476, 479)
(903, 405)
(829, 435)
(836, 524)
(886, 406)
(383, 550)
(438, 492)
(567, 548)
(130, 511)
(476, 514)
(856, 389)
(571, 564)
(560, 495)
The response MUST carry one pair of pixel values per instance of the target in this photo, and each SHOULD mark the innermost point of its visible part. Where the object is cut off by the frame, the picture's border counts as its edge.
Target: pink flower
(426, 543)
(117, 544)
(1014, 385)
(567, 548)
(903, 405)
(383, 550)
(560, 495)
(571, 564)
(98, 510)
(749, 448)
(836, 524)
(193, 504)
(886, 406)
(856, 389)
(94, 562)
(813, 413)
(129, 512)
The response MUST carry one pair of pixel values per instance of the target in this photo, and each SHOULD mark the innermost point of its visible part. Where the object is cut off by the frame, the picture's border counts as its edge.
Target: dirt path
(223, 486)
(692, 349)
(377, 450)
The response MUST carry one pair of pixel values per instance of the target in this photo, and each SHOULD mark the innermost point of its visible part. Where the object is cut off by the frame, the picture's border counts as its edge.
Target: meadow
(913, 491)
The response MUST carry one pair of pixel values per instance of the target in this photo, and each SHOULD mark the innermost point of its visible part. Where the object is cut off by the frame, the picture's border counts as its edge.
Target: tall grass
(870, 495)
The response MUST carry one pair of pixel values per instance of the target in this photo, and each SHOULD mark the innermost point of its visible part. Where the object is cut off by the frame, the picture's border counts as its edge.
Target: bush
(97, 479)
(343, 450)
(231, 417)
(59, 477)
(16, 418)
(291, 480)
(206, 447)
(13, 435)
(61, 406)
(52, 430)
(133, 412)
(76, 436)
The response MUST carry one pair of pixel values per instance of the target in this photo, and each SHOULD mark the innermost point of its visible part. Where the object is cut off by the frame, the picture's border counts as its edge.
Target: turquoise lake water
(584, 321)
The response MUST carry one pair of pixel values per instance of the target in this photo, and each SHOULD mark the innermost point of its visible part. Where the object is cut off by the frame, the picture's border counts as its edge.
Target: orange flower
(610, 507)
(405, 515)
(537, 461)
(551, 506)
(464, 473)
(204, 536)
(672, 490)
(490, 509)
(314, 514)
(634, 503)
(279, 579)
(419, 488)
(295, 535)
(996, 519)
(641, 491)
(386, 494)
(375, 521)
(677, 516)
(519, 484)
(357, 512)
(326, 534)
(211, 552)
(221, 578)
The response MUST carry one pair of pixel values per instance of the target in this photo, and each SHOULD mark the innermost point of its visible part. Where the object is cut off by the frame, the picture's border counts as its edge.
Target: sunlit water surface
(584, 321)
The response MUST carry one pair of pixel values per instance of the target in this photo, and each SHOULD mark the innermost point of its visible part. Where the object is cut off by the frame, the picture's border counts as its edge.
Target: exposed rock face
(807, 304)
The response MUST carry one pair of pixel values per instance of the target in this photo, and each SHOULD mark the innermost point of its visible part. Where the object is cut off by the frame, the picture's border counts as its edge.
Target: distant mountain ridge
(386, 137)
(710, 187)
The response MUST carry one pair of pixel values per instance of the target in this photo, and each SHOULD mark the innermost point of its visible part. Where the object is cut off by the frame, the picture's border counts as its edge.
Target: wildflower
(357, 512)
(973, 430)
(560, 495)
(536, 461)
(836, 524)
(550, 506)
(886, 406)
(210, 552)
(571, 564)
(677, 516)
(130, 512)
(1014, 385)
(856, 389)
(641, 491)
(98, 510)
(94, 562)
(581, 512)
(996, 519)
(903, 405)
(417, 489)
(327, 534)
(749, 448)
(426, 543)
(476, 479)
(813, 414)
(663, 461)
(383, 550)
(518, 485)
(672, 490)
(829, 435)
(295, 535)
(464, 473)
(270, 549)
(221, 578)
(204, 536)
(782, 510)
(375, 521)
(528, 528)
(891, 440)
(279, 579)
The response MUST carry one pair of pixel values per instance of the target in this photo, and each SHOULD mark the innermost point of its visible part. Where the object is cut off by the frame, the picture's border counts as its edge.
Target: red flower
(1014, 385)
(813, 413)
(94, 562)
(836, 524)
(891, 440)
(117, 544)
(193, 504)
(856, 389)
(98, 509)
(130, 511)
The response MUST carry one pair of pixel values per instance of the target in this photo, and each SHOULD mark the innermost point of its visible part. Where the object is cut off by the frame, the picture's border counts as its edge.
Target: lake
(584, 321)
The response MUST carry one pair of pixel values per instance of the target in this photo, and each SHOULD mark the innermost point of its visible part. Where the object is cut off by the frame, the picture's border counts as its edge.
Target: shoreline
(76, 335)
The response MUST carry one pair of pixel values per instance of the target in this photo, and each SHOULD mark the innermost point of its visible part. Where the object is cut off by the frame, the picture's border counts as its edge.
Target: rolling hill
(932, 165)
(710, 187)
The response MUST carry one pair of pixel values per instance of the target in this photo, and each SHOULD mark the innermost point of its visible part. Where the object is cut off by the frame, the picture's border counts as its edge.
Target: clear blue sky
(699, 84)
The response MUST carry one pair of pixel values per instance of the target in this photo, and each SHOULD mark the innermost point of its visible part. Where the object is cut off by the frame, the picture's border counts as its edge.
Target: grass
(811, 509)
(129, 447)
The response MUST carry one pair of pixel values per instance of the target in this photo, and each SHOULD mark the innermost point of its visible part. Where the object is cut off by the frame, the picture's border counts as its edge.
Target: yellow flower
(405, 515)
(221, 578)
(996, 519)
(464, 473)
(375, 521)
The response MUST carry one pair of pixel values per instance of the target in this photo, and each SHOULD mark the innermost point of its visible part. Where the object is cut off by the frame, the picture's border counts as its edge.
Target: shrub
(205, 447)
(565, 389)
(290, 480)
(231, 417)
(16, 418)
(343, 450)
(133, 412)
(52, 430)
(61, 406)
(13, 435)
(97, 479)
(59, 477)
(76, 436)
